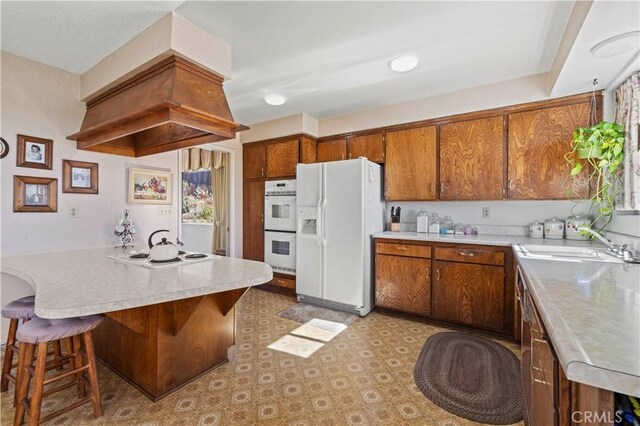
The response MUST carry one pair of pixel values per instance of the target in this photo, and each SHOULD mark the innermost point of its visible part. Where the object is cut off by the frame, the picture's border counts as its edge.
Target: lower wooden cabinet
(403, 283)
(284, 281)
(469, 294)
(462, 284)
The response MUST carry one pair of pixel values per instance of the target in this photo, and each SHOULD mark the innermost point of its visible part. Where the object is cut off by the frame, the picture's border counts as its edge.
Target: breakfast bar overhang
(163, 327)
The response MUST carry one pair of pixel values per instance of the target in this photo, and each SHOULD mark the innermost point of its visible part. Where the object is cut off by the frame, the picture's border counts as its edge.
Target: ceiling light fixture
(403, 63)
(274, 99)
(616, 45)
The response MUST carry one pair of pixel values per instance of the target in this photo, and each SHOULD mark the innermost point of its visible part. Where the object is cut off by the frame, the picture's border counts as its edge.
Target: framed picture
(149, 186)
(79, 177)
(33, 152)
(35, 194)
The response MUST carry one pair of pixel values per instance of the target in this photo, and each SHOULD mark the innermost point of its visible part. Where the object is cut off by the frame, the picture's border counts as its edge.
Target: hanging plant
(601, 147)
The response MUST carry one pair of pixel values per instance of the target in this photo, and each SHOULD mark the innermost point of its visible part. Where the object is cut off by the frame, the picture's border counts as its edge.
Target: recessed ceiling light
(274, 99)
(616, 45)
(403, 63)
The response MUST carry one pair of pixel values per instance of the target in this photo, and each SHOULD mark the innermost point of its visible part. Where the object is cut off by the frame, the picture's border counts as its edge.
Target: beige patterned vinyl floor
(364, 376)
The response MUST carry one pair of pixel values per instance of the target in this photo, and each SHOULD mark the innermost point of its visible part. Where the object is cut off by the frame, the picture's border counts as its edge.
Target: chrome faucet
(612, 247)
(620, 251)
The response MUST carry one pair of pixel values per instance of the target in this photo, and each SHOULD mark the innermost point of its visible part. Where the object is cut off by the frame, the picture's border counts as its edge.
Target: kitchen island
(163, 327)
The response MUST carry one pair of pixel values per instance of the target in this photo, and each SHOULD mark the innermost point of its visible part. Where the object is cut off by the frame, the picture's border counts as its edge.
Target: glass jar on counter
(434, 224)
(447, 225)
(459, 229)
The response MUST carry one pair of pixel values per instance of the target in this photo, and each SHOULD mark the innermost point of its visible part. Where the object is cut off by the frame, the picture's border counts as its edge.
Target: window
(197, 197)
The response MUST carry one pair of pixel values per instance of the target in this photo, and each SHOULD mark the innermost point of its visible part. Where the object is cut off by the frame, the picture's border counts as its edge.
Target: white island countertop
(591, 310)
(85, 282)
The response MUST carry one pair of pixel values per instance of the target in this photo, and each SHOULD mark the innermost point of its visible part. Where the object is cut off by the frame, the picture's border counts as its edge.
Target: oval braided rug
(471, 377)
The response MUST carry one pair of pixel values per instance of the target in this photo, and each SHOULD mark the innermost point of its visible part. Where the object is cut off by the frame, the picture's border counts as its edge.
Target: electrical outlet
(74, 212)
(164, 211)
(485, 212)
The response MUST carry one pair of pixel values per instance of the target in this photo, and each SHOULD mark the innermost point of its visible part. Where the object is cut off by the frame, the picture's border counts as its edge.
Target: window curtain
(627, 113)
(220, 185)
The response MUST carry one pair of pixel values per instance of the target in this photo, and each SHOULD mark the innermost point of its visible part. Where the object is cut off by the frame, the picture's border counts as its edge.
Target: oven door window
(282, 248)
(281, 211)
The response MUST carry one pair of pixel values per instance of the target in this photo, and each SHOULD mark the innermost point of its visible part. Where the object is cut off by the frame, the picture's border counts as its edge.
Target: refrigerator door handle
(323, 267)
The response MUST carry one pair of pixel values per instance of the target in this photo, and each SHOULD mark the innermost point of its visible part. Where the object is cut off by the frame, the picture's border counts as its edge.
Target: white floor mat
(319, 329)
(296, 346)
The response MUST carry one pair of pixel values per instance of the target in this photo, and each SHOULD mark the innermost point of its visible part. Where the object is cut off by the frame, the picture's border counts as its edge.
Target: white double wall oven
(280, 225)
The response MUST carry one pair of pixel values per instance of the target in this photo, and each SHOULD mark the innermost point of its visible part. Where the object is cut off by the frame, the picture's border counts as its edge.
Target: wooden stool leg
(38, 384)
(77, 363)
(8, 354)
(93, 374)
(57, 352)
(22, 380)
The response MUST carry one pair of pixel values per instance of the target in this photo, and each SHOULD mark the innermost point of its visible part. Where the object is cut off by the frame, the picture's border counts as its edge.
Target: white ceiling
(75, 35)
(605, 20)
(327, 58)
(330, 58)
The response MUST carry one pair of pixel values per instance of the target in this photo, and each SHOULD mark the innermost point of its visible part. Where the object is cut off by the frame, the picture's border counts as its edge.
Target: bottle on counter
(459, 229)
(434, 224)
(422, 221)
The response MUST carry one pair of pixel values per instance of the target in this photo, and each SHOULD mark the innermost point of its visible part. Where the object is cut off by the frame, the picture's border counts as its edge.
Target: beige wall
(285, 126)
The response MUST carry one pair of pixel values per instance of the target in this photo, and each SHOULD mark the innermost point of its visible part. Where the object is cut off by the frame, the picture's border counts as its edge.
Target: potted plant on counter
(602, 148)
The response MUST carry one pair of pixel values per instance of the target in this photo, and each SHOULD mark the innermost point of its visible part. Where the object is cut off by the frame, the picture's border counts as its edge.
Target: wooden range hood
(172, 105)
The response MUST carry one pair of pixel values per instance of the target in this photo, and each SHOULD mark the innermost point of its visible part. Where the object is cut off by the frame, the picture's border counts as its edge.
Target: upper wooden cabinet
(307, 150)
(282, 158)
(472, 160)
(538, 141)
(254, 161)
(332, 150)
(369, 146)
(410, 165)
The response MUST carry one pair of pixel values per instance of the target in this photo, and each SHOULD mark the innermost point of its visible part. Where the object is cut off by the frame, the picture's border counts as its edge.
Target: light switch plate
(74, 212)
(164, 211)
(485, 212)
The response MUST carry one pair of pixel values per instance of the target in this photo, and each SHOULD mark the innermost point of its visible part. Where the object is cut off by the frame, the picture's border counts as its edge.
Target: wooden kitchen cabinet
(410, 164)
(282, 158)
(538, 141)
(472, 160)
(403, 283)
(308, 150)
(253, 221)
(332, 150)
(370, 146)
(254, 159)
(468, 293)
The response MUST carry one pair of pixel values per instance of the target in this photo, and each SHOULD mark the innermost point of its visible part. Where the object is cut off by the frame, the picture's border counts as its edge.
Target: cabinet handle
(262, 172)
(349, 155)
(504, 192)
(431, 188)
(438, 274)
(403, 248)
(466, 253)
(428, 272)
(262, 218)
(510, 184)
(442, 188)
(536, 368)
(542, 382)
(538, 340)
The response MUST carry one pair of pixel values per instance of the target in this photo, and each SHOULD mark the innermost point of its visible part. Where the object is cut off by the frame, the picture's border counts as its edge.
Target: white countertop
(85, 282)
(591, 310)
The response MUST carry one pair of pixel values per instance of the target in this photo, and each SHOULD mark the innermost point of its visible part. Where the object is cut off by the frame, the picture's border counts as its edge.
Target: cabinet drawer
(284, 282)
(468, 255)
(400, 249)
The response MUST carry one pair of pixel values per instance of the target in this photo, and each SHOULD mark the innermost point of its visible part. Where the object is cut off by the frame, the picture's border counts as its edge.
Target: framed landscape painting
(149, 187)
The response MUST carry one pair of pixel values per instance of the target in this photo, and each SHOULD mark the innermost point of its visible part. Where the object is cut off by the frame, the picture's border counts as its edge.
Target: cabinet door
(282, 158)
(308, 148)
(332, 150)
(468, 294)
(538, 142)
(370, 146)
(472, 160)
(544, 379)
(253, 221)
(403, 283)
(253, 161)
(410, 165)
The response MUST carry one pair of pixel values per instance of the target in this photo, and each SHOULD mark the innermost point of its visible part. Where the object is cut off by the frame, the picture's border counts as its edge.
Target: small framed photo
(150, 187)
(79, 177)
(33, 194)
(33, 152)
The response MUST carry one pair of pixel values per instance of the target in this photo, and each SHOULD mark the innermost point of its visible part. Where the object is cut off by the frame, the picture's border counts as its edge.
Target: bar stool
(38, 333)
(19, 310)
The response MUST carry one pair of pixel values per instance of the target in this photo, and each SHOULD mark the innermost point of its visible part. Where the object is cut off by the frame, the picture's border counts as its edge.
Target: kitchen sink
(564, 253)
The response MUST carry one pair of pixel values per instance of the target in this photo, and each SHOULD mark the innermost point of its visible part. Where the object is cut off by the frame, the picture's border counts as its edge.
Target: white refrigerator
(339, 207)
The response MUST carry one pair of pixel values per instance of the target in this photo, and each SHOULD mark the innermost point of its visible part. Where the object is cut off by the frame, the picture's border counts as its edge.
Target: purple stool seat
(22, 308)
(40, 330)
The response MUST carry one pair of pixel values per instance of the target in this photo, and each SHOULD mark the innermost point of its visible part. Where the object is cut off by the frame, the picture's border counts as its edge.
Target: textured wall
(42, 101)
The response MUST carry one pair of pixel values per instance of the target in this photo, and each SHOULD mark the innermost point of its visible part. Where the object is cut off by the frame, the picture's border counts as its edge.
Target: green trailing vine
(598, 150)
